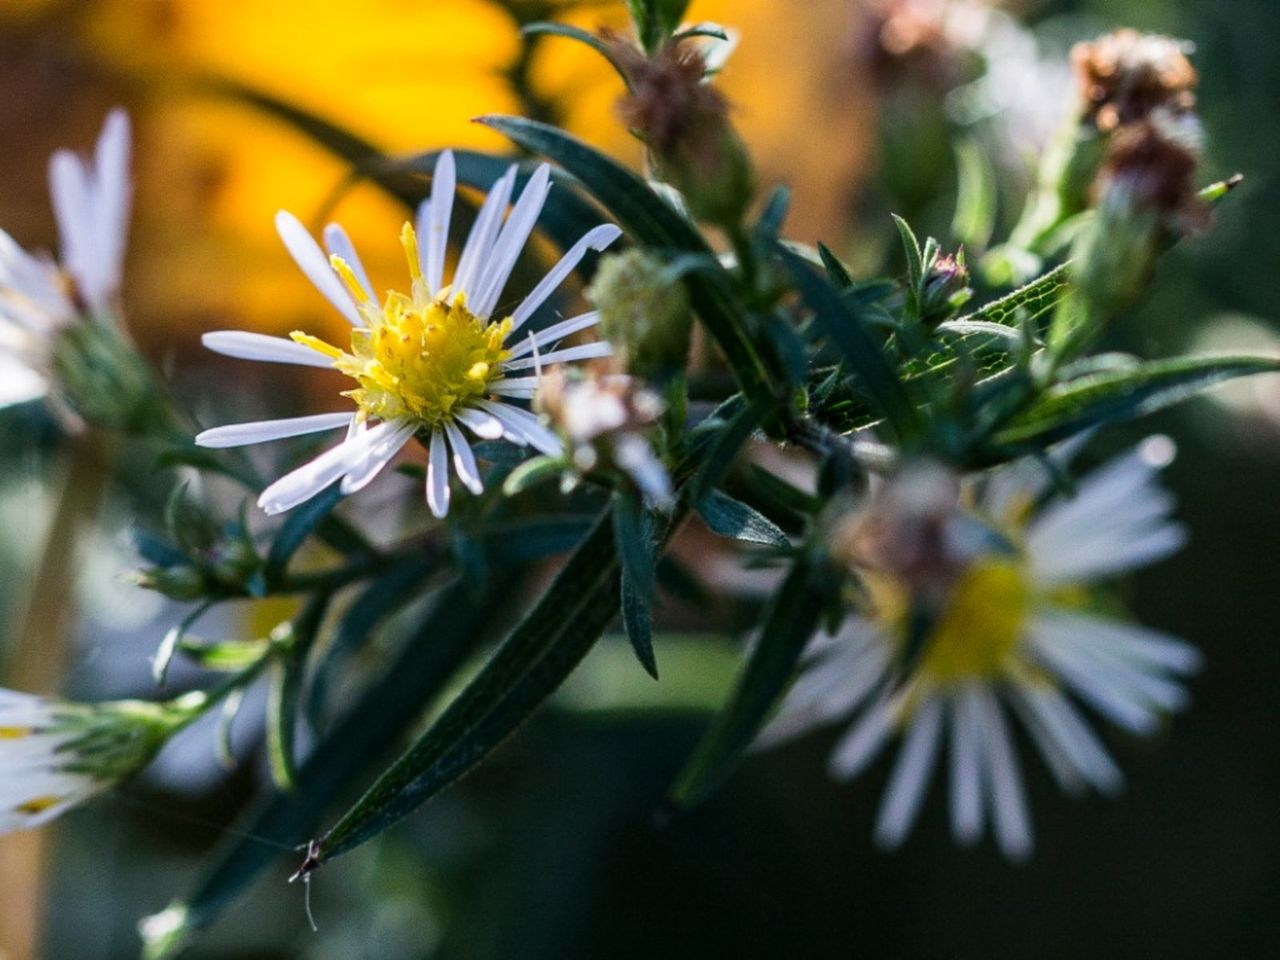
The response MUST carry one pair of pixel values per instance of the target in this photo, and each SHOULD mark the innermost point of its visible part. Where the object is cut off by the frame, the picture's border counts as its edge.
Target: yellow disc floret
(420, 358)
(981, 625)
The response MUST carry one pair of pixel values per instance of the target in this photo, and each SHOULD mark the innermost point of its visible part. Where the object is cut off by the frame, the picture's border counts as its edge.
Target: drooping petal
(863, 742)
(1008, 802)
(438, 476)
(903, 796)
(377, 458)
(966, 767)
(484, 425)
(464, 461)
(305, 482)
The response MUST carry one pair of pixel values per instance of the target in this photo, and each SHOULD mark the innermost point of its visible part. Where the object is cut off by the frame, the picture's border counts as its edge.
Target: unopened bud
(104, 379)
(945, 289)
(685, 122)
(181, 582)
(1145, 197)
(644, 313)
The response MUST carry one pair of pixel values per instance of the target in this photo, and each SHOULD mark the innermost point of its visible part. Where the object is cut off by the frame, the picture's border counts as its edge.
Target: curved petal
(261, 431)
(258, 346)
(598, 238)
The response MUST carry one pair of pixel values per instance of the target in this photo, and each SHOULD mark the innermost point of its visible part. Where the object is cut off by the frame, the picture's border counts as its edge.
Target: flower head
(428, 362)
(1011, 636)
(605, 414)
(1125, 75)
(41, 299)
(56, 755)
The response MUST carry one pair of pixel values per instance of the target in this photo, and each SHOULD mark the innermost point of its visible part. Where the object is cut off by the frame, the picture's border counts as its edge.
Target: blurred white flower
(426, 364)
(1010, 638)
(56, 755)
(40, 298)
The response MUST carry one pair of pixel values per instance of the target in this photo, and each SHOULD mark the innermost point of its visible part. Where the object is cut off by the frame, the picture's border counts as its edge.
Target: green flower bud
(181, 582)
(643, 312)
(945, 289)
(104, 379)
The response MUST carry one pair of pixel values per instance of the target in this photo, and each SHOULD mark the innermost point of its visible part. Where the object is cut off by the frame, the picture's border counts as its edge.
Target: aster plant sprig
(933, 565)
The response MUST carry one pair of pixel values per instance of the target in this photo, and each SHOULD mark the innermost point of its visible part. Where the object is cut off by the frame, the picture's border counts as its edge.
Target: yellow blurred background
(407, 75)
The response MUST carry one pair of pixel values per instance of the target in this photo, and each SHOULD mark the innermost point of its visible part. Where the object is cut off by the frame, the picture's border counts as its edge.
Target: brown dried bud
(1125, 76)
(684, 121)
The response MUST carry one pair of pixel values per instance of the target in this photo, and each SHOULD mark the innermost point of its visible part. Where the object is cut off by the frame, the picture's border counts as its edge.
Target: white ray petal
(1008, 803)
(261, 431)
(19, 383)
(339, 244)
(73, 209)
(113, 188)
(1097, 688)
(484, 425)
(483, 232)
(305, 482)
(433, 219)
(464, 461)
(373, 463)
(586, 351)
(553, 333)
(1130, 641)
(525, 424)
(597, 239)
(1077, 741)
(905, 793)
(863, 742)
(519, 388)
(311, 260)
(258, 346)
(1060, 763)
(497, 269)
(438, 476)
(966, 768)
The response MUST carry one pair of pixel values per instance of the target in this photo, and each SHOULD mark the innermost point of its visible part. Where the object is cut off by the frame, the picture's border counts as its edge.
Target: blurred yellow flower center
(420, 358)
(38, 805)
(981, 625)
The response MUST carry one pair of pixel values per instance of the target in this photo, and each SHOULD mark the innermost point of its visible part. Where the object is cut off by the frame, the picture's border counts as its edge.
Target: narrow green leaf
(633, 535)
(790, 621)
(911, 246)
(534, 659)
(224, 656)
(1027, 303)
(1113, 395)
(837, 273)
(284, 683)
(299, 525)
(636, 621)
(583, 37)
(975, 215)
(438, 646)
(843, 322)
(775, 210)
(650, 220)
(736, 520)
(169, 645)
(723, 449)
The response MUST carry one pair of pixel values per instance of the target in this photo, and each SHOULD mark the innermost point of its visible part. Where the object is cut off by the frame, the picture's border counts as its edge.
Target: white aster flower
(56, 755)
(39, 299)
(427, 364)
(1010, 640)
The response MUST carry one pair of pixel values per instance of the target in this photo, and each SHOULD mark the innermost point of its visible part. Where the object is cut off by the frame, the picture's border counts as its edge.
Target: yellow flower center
(978, 630)
(981, 625)
(420, 358)
(38, 805)
(14, 733)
